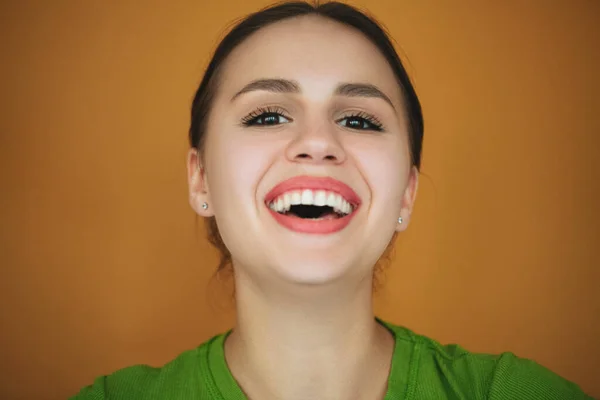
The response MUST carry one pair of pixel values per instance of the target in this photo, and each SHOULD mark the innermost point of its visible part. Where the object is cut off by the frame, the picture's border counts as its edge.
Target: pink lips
(322, 226)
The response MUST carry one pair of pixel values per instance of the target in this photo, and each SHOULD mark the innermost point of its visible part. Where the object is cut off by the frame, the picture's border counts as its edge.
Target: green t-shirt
(421, 369)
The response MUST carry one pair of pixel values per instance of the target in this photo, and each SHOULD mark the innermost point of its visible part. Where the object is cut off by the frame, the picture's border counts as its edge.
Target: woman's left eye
(361, 123)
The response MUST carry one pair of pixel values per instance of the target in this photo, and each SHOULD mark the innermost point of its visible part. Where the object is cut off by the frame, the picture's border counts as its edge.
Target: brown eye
(265, 118)
(361, 123)
(270, 119)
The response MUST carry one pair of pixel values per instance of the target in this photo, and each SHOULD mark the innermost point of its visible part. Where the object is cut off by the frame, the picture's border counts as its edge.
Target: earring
(205, 205)
(400, 220)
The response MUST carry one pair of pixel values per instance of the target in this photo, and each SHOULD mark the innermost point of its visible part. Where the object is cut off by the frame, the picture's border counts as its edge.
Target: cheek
(235, 164)
(385, 165)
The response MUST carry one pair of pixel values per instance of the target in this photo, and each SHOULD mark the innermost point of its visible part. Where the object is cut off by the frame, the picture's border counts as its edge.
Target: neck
(312, 342)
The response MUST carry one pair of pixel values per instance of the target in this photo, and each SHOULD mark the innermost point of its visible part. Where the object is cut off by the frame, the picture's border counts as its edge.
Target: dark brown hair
(339, 12)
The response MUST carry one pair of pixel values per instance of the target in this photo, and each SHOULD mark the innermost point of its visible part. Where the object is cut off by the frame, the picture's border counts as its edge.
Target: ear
(408, 199)
(197, 184)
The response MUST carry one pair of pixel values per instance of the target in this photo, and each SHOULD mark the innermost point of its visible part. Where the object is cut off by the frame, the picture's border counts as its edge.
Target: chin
(312, 270)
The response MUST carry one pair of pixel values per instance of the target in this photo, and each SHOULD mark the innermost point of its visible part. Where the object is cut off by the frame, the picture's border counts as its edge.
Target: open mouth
(312, 205)
(313, 212)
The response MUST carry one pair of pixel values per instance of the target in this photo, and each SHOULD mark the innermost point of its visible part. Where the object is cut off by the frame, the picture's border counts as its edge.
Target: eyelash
(261, 112)
(376, 125)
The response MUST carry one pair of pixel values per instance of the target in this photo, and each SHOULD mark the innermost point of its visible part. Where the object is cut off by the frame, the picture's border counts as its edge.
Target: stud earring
(400, 220)
(205, 205)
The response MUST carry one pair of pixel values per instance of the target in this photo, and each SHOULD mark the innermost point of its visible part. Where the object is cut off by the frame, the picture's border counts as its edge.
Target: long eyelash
(261, 111)
(368, 117)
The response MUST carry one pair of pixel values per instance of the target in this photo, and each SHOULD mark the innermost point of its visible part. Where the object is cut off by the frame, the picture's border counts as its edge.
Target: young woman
(306, 138)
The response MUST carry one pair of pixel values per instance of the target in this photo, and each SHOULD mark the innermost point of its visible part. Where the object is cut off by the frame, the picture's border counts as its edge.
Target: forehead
(314, 51)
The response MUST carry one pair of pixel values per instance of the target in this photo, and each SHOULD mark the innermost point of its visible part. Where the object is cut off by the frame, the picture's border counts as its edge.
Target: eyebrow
(288, 86)
(362, 90)
(270, 85)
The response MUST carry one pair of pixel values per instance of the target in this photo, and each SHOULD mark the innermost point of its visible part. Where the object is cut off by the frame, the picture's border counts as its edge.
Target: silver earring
(205, 205)
(400, 220)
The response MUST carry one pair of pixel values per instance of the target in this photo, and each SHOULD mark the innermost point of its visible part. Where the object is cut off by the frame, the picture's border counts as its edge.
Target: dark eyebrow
(287, 86)
(270, 85)
(362, 90)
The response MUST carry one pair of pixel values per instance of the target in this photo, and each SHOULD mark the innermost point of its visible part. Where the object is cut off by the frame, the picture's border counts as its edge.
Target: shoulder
(521, 378)
(498, 376)
(452, 371)
(179, 378)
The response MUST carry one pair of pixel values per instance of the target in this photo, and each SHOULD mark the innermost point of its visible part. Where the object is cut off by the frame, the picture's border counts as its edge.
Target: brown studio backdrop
(103, 265)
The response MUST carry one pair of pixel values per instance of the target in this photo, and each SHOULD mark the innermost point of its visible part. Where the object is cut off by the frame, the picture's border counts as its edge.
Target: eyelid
(369, 117)
(358, 113)
(261, 110)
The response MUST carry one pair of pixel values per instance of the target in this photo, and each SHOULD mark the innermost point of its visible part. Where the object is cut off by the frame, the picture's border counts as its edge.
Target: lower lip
(314, 226)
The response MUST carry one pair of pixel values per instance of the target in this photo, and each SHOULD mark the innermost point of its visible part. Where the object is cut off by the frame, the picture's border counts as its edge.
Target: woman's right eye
(268, 118)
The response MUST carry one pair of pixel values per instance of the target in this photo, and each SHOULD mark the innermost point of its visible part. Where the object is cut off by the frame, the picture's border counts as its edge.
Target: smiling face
(307, 122)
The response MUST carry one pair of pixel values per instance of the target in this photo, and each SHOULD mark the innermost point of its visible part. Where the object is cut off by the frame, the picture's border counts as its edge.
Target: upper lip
(314, 183)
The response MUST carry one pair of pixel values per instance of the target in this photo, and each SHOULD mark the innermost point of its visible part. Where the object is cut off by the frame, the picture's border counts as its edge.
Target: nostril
(316, 157)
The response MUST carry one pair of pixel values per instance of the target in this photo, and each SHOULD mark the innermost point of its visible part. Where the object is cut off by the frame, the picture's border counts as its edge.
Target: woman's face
(299, 101)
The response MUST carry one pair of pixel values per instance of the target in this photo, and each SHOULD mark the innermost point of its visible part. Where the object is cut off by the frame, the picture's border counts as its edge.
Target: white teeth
(342, 206)
(320, 198)
(338, 203)
(309, 197)
(296, 198)
(331, 199)
(346, 207)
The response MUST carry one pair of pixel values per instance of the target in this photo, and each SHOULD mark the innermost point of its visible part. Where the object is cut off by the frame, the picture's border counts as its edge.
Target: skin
(305, 326)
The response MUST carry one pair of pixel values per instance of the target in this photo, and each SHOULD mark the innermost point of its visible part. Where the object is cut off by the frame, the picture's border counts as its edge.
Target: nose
(316, 146)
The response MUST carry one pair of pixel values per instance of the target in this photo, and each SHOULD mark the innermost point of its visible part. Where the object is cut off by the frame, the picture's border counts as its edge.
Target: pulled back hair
(339, 12)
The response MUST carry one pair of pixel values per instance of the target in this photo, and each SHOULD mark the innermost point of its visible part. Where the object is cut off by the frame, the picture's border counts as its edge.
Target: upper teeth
(310, 197)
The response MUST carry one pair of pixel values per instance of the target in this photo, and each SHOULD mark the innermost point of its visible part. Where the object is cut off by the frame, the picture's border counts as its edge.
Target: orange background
(104, 266)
